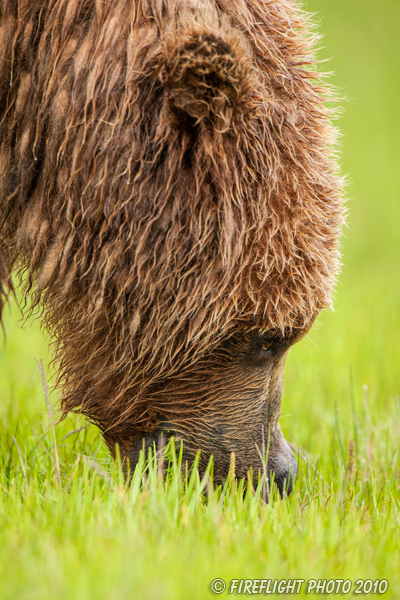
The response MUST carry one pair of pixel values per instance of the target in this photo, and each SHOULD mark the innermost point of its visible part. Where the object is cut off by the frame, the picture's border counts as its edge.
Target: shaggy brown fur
(166, 183)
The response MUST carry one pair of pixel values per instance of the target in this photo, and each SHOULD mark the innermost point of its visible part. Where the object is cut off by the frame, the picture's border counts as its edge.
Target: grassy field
(69, 528)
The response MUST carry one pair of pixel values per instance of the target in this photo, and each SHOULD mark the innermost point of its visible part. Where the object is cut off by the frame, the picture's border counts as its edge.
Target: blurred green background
(353, 353)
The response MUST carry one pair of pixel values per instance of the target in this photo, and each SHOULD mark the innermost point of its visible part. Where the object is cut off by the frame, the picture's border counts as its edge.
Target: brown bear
(171, 204)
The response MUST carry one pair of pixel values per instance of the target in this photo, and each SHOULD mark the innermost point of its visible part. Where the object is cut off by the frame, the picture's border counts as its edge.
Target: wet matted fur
(168, 187)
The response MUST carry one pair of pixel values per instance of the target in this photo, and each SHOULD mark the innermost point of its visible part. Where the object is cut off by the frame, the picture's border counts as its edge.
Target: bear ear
(205, 71)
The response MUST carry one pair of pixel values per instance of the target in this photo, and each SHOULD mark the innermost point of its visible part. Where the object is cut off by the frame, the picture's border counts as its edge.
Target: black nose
(285, 471)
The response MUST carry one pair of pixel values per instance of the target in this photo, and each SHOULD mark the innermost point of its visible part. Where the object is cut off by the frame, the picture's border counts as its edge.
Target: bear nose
(285, 471)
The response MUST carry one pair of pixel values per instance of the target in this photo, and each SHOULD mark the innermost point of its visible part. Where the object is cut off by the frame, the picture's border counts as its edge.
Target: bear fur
(168, 182)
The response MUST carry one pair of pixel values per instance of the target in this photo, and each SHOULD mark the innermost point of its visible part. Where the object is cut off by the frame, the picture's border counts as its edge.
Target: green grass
(76, 531)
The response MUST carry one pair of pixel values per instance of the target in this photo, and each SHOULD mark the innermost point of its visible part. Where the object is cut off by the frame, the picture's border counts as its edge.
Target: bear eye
(258, 351)
(266, 345)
